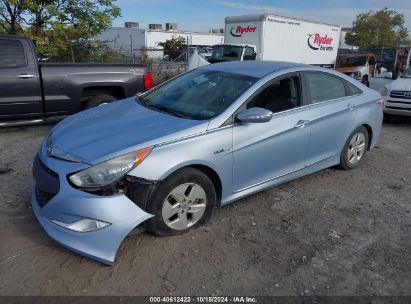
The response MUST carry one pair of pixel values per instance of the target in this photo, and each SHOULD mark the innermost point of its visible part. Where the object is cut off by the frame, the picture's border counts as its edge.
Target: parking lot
(330, 233)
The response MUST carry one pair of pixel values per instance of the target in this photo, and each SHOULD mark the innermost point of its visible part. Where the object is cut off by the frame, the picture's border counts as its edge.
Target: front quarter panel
(211, 149)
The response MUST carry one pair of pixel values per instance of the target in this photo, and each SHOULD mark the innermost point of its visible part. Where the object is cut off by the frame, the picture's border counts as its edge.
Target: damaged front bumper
(63, 211)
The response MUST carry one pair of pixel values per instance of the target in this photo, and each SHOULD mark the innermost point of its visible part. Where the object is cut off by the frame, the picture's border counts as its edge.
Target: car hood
(107, 131)
(401, 84)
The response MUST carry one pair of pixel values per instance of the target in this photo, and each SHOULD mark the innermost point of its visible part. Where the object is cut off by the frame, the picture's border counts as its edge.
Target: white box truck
(271, 37)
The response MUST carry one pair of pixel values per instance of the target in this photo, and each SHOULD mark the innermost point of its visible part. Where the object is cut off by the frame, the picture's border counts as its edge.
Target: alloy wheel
(356, 148)
(184, 206)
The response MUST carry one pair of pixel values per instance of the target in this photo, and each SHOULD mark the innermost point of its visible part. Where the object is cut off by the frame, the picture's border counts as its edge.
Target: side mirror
(388, 75)
(255, 115)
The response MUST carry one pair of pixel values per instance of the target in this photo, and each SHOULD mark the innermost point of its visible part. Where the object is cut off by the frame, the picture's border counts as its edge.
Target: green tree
(58, 27)
(174, 47)
(381, 28)
(175, 43)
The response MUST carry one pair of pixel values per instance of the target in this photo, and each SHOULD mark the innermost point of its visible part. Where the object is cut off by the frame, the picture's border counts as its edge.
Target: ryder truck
(270, 37)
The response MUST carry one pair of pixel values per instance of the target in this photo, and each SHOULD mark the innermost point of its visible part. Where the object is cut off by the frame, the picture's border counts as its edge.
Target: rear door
(19, 82)
(332, 115)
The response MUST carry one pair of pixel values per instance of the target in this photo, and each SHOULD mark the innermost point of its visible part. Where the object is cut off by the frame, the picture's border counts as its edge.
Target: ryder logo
(238, 31)
(317, 42)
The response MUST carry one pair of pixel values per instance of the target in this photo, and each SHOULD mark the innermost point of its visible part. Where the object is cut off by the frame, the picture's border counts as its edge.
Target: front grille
(401, 94)
(402, 102)
(398, 108)
(47, 182)
(43, 197)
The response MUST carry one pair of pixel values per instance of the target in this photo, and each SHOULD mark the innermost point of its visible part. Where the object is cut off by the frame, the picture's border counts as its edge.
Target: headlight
(384, 91)
(109, 171)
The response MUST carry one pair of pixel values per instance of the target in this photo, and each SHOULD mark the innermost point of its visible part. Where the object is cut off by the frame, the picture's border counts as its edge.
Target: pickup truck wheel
(183, 201)
(99, 100)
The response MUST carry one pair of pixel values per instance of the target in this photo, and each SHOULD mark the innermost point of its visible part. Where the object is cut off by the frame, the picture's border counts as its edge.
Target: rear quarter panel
(369, 113)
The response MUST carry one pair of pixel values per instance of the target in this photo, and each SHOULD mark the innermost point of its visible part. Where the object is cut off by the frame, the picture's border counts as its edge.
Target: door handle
(25, 76)
(301, 124)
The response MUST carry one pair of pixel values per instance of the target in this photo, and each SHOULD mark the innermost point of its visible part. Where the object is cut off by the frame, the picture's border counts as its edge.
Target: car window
(11, 54)
(249, 53)
(324, 87)
(281, 95)
(352, 89)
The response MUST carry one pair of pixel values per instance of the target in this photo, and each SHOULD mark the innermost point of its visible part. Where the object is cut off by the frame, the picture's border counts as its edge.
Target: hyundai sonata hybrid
(166, 158)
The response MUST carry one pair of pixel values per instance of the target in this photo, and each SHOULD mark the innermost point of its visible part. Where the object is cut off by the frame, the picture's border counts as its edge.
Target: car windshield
(352, 61)
(223, 53)
(199, 94)
(407, 73)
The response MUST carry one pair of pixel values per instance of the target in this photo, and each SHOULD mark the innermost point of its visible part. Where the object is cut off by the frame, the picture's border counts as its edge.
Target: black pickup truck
(33, 91)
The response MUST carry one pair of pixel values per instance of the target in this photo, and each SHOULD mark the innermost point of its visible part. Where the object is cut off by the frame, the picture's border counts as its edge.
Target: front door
(265, 151)
(19, 82)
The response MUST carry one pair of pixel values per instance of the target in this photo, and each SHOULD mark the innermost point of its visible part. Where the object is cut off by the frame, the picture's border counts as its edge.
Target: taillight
(380, 103)
(148, 81)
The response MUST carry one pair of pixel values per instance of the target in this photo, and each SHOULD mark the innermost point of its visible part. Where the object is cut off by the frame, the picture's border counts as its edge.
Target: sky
(202, 15)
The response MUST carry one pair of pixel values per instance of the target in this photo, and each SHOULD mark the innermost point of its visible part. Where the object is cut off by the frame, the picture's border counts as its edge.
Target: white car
(397, 96)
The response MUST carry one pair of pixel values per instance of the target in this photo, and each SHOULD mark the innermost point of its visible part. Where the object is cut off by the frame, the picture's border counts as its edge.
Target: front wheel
(183, 201)
(354, 149)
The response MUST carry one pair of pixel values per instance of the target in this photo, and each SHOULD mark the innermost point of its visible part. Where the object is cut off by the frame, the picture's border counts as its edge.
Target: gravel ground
(330, 233)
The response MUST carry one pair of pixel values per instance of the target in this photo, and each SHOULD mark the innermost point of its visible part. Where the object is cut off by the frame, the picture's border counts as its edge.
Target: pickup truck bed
(29, 90)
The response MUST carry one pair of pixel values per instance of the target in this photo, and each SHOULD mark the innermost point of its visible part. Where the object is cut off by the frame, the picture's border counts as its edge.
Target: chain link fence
(163, 64)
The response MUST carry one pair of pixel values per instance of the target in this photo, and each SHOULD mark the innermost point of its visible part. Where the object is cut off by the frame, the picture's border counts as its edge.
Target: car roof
(252, 68)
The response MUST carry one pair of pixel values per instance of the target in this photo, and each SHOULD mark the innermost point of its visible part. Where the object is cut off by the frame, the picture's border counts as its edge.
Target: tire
(98, 100)
(354, 149)
(175, 200)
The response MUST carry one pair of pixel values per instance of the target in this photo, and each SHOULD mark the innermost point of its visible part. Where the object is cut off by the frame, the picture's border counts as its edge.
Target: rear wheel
(354, 149)
(99, 100)
(183, 201)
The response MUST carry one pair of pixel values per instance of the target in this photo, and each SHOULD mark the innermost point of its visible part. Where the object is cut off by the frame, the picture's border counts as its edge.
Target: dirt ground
(331, 233)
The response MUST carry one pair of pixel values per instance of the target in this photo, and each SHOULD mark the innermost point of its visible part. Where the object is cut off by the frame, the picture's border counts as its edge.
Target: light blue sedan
(167, 158)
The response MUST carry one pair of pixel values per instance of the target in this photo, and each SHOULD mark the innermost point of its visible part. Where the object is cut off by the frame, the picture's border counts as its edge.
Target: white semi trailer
(270, 37)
